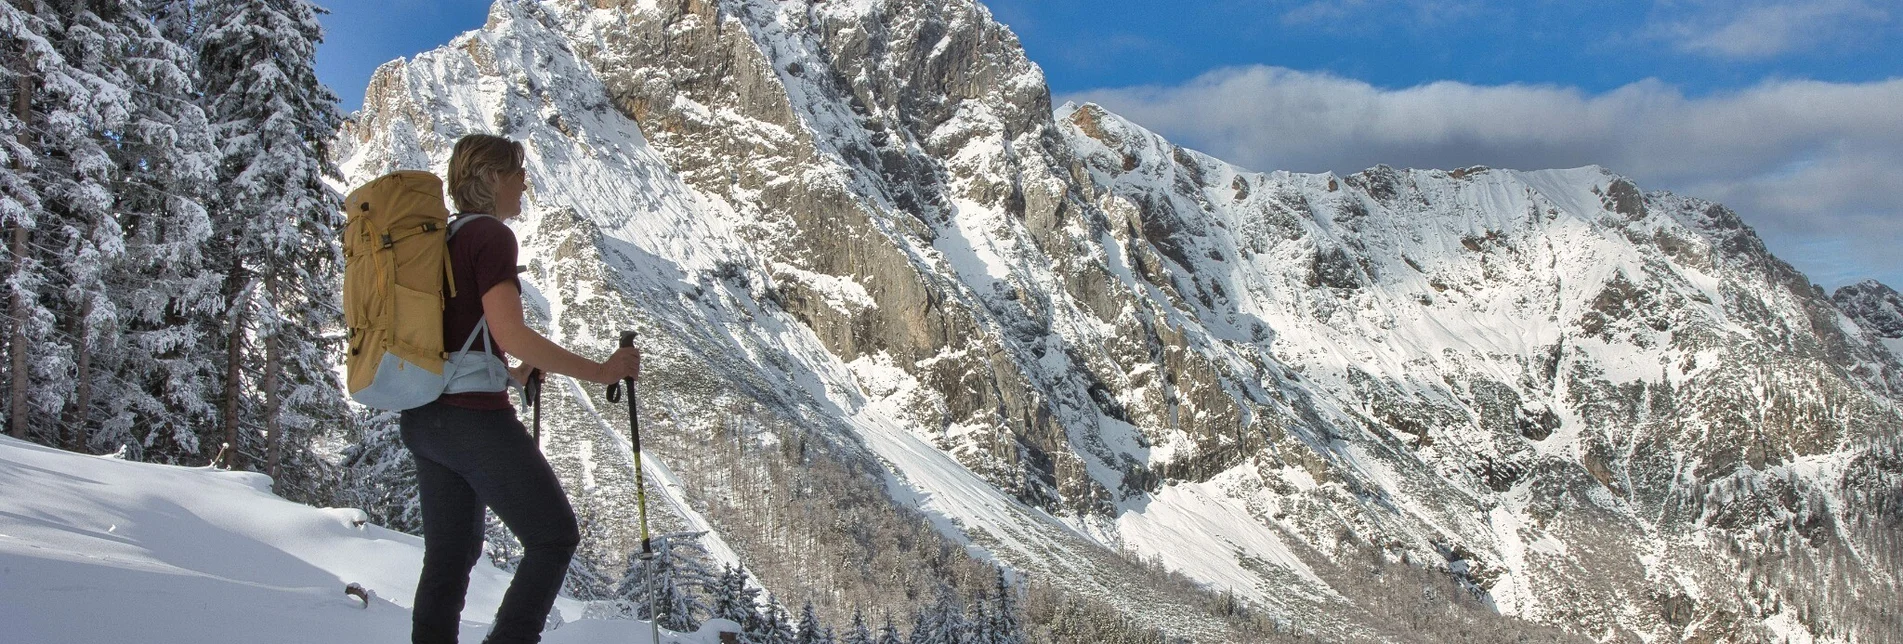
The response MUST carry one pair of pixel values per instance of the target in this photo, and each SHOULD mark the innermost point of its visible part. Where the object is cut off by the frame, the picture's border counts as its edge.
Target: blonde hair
(475, 165)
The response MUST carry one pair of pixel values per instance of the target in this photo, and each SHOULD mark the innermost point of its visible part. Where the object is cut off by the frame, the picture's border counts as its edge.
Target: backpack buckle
(387, 242)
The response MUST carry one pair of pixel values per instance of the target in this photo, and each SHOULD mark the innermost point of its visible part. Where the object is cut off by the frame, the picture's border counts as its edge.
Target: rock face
(1060, 332)
(1873, 306)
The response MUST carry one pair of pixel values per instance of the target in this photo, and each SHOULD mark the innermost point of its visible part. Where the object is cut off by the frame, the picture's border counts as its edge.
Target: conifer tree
(771, 627)
(808, 630)
(163, 289)
(173, 19)
(1004, 626)
(977, 627)
(34, 157)
(889, 633)
(123, 168)
(80, 240)
(942, 623)
(781, 631)
(859, 634)
(587, 579)
(278, 264)
(669, 587)
(925, 626)
(732, 599)
(379, 474)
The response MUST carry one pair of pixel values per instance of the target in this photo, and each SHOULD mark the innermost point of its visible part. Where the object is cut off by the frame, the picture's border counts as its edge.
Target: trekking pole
(634, 433)
(640, 485)
(532, 390)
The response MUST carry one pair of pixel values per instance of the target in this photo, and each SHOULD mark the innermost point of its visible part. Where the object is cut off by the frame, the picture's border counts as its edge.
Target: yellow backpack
(396, 269)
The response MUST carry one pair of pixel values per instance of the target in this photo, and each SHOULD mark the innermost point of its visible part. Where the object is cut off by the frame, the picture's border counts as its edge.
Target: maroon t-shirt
(481, 255)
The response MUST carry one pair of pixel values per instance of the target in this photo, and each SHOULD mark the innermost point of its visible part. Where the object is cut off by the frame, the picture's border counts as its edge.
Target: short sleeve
(494, 252)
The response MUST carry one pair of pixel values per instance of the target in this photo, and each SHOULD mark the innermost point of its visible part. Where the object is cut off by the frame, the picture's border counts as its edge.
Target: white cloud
(1355, 15)
(1761, 29)
(1806, 162)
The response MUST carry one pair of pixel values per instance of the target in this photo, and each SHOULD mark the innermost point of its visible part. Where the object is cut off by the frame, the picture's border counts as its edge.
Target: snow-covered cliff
(1062, 336)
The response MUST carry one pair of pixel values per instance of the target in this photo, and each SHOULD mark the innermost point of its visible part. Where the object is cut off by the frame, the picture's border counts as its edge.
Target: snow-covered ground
(94, 549)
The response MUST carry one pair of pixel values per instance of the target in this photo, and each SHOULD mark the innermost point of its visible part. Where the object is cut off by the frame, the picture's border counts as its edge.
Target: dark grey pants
(467, 459)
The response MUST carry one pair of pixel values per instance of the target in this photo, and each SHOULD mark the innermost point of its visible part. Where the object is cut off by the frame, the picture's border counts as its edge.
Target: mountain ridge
(869, 217)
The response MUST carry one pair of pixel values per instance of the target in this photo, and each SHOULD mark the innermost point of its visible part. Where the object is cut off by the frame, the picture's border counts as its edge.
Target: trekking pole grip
(614, 389)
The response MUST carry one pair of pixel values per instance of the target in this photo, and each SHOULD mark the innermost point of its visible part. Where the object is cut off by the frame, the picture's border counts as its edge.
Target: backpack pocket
(400, 384)
(417, 321)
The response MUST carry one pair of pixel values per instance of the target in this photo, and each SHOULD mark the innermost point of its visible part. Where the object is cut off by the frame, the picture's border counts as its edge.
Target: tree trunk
(234, 361)
(23, 100)
(272, 428)
(16, 341)
(16, 344)
(76, 436)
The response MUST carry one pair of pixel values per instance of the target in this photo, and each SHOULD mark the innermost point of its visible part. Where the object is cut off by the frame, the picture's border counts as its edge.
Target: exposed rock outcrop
(868, 218)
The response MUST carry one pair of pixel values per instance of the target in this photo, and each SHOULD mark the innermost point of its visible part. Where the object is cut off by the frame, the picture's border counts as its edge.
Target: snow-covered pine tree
(925, 623)
(1005, 627)
(860, 633)
(78, 107)
(36, 81)
(148, 375)
(757, 628)
(378, 473)
(732, 599)
(943, 622)
(771, 627)
(593, 576)
(957, 628)
(174, 20)
(670, 586)
(808, 631)
(278, 264)
(977, 625)
(889, 633)
(782, 631)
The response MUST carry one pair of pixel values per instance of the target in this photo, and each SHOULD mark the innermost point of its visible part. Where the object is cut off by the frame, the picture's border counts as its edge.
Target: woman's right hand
(625, 363)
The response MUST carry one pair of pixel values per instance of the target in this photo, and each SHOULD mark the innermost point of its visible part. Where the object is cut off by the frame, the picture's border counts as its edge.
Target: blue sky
(359, 35)
(1791, 111)
(1595, 46)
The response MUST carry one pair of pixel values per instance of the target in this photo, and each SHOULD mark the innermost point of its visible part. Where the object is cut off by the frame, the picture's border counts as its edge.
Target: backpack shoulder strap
(456, 223)
(482, 325)
(463, 218)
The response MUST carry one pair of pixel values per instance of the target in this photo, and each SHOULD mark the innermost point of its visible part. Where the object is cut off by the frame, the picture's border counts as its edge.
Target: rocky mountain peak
(1062, 335)
(1873, 306)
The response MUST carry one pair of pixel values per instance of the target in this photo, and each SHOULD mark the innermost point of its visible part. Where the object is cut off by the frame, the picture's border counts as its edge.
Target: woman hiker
(469, 448)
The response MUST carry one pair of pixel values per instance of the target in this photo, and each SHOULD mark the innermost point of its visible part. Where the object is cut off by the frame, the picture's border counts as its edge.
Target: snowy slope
(607, 216)
(1512, 343)
(94, 549)
(1064, 336)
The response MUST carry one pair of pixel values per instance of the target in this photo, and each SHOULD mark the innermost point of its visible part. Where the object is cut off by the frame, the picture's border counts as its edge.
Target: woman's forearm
(502, 306)
(529, 346)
